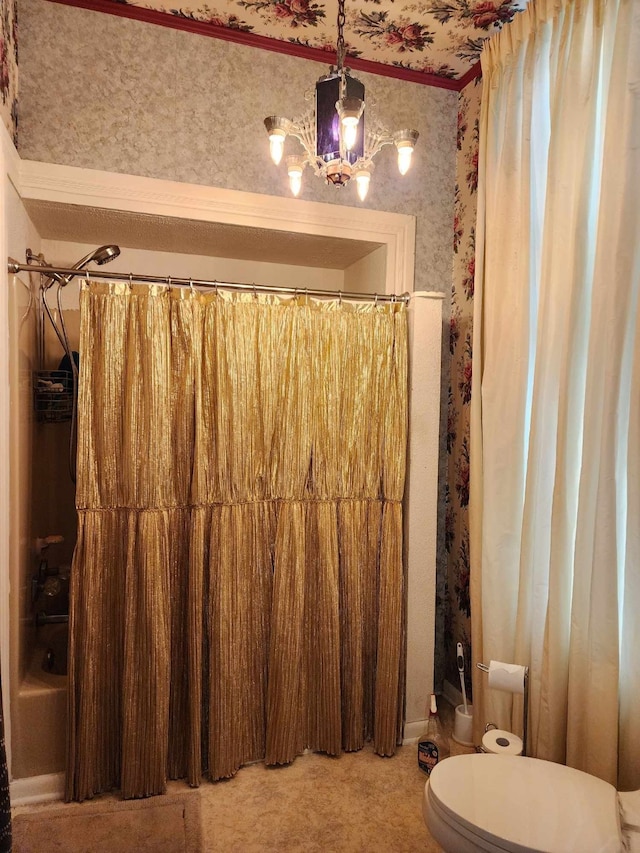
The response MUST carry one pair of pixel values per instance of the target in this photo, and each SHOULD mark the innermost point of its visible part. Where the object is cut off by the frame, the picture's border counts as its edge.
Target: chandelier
(336, 145)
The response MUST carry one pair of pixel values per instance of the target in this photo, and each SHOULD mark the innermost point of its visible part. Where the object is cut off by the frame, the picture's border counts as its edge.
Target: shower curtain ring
(191, 287)
(130, 281)
(375, 300)
(339, 297)
(255, 292)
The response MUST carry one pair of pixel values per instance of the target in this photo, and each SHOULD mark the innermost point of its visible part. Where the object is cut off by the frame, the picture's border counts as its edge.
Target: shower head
(101, 255)
(105, 254)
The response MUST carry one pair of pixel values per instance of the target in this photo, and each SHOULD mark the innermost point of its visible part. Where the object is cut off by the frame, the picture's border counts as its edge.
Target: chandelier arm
(375, 140)
(309, 158)
(303, 129)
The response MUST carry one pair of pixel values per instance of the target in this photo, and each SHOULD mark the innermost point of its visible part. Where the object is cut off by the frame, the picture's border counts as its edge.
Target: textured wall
(9, 66)
(454, 617)
(127, 96)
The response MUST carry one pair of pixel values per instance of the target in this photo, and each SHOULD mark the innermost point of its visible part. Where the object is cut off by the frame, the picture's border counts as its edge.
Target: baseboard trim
(413, 730)
(42, 789)
(37, 789)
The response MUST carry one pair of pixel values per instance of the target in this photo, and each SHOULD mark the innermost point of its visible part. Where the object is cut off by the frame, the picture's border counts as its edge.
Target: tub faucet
(43, 543)
(43, 618)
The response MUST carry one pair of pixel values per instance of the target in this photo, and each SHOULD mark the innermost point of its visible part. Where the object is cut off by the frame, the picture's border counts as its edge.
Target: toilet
(512, 804)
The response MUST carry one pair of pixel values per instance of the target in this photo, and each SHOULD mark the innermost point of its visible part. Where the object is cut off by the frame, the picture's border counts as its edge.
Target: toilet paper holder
(525, 709)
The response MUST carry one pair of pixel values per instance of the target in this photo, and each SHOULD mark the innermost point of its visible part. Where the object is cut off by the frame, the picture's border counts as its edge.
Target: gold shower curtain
(237, 585)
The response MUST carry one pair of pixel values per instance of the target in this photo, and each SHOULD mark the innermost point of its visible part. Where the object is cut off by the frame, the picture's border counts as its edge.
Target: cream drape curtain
(555, 506)
(237, 585)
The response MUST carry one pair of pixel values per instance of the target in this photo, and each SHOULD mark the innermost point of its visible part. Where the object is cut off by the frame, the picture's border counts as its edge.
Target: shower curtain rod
(169, 280)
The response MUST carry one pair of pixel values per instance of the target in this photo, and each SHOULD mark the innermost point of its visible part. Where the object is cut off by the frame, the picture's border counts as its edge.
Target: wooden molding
(137, 194)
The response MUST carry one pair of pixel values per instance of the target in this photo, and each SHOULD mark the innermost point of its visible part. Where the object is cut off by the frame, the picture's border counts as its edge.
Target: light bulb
(349, 131)
(404, 158)
(405, 141)
(276, 146)
(294, 168)
(349, 109)
(362, 184)
(295, 182)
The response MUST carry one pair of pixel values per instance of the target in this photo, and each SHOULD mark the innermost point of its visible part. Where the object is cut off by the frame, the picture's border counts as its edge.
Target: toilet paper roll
(506, 676)
(500, 742)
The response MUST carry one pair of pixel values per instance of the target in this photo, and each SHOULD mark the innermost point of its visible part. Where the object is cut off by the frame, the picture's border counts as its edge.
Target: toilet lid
(522, 804)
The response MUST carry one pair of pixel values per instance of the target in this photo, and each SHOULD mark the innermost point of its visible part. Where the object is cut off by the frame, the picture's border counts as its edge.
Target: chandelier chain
(340, 50)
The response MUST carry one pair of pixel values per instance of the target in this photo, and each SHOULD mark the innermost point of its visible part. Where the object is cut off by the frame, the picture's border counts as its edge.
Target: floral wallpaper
(456, 604)
(9, 67)
(441, 37)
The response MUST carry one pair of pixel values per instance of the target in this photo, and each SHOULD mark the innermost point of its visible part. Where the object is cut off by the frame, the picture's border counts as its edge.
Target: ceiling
(68, 222)
(437, 40)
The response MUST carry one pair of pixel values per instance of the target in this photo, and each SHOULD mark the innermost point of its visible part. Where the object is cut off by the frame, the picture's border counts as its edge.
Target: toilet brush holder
(463, 725)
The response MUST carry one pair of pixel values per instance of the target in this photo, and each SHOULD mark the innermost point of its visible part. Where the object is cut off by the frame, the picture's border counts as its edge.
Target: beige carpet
(356, 803)
(167, 824)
